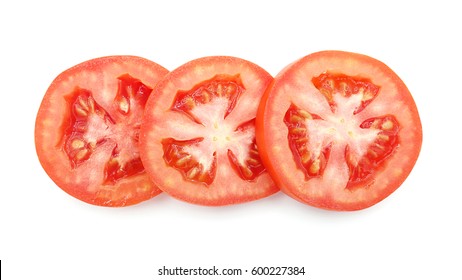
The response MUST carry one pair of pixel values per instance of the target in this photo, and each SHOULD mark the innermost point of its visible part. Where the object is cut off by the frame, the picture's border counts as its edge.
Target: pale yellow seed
(372, 153)
(344, 87)
(326, 93)
(305, 114)
(230, 89)
(387, 125)
(375, 124)
(220, 90)
(296, 119)
(383, 137)
(298, 130)
(205, 96)
(192, 172)
(182, 161)
(123, 105)
(91, 104)
(189, 102)
(92, 144)
(368, 96)
(77, 144)
(83, 103)
(81, 154)
(253, 162)
(81, 112)
(315, 166)
(380, 146)
(247, 172)
(306, 157)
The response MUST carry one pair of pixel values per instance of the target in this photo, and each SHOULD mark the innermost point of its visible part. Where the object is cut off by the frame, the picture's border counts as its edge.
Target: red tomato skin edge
(330, 204)
(41, 153)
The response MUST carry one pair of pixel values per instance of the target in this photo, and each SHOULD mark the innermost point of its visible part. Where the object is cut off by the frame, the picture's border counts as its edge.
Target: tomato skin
(294, 83)
(85, 181)
(165, 125)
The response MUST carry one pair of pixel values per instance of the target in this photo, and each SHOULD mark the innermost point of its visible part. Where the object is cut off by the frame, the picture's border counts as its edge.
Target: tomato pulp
(198, 133)
(338, 130)
(87, 130)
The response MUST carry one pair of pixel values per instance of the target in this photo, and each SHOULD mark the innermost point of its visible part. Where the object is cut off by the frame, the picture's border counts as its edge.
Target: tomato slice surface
(198, 134)
(87, 130)
(338, 130)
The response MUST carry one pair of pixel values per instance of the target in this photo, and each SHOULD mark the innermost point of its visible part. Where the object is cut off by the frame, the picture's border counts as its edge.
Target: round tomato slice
(87, 130)
(198, 133)
(338, 130)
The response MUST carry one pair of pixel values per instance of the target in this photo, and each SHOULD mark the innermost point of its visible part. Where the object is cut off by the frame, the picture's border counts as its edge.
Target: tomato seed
(192, 172)
(91, 105)
(124, 105)
(298, 130)
(315, 166)
(83, 103)
(80, 112)
(219, 90)
(368, 95)
(296, 119)
(247, 172)
(253, 162)
(305, 114)
(306, 157)
(182, 161)
(387, 125)
(383, 137)
(81, 154)
(205, 96)
(77, 144)
(372, 154)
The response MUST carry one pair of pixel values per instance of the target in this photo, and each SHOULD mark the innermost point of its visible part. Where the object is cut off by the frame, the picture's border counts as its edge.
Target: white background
(414, 234)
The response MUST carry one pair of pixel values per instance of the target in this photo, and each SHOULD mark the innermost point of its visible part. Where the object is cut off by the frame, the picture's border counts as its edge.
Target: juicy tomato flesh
(196, 159)
(90, 126)
(366, 143)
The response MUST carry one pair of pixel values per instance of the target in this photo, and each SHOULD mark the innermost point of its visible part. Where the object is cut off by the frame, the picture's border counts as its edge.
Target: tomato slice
(198, 133)
(338, 130)
(87, 130)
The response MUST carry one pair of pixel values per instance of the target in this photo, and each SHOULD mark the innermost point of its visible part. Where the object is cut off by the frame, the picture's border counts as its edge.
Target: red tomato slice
(87, 130)
(198, 133)
(338, 130)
